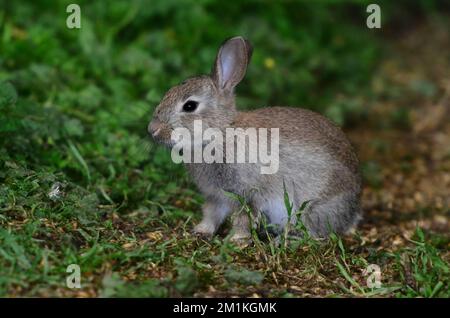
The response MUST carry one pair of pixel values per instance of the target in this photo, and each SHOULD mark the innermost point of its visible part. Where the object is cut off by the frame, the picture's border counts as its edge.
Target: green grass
(80, 182)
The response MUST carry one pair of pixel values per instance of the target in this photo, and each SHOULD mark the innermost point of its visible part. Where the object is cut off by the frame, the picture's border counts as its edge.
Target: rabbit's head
(209, 98)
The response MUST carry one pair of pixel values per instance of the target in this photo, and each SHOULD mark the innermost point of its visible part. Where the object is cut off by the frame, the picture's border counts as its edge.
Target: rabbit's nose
(154, 127)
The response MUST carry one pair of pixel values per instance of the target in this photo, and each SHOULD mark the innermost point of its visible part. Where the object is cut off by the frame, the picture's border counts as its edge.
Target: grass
(80, 183)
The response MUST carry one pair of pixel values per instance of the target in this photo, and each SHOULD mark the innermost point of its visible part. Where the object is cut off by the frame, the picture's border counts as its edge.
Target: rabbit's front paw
(204, 230)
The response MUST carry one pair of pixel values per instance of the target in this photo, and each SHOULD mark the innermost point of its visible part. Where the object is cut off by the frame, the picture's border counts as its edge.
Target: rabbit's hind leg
(275, 215)
(241, 230)
(338, 214)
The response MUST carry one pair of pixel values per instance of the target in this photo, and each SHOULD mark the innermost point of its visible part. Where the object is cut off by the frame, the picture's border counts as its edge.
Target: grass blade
(80, 159)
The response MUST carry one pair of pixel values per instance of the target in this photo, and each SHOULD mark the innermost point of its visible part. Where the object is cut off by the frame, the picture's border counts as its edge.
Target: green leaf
(187, 279)
(8, 94)
(80, 159)
(244, 276)
(73, 128)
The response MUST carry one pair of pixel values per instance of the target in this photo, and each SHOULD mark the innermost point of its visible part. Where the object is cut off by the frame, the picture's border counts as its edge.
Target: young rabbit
(316, 161)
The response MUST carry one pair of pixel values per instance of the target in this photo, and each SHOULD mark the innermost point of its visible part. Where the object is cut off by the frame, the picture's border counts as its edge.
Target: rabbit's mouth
(163, 137)
(160, 133)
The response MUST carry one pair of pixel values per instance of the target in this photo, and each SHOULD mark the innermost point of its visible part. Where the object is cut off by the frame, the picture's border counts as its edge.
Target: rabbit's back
(302, 128)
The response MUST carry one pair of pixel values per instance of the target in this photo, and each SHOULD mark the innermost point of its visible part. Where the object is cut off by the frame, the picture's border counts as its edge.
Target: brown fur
(317, 162)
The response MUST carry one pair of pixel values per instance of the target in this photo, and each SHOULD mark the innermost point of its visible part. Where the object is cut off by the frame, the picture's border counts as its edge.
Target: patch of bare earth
(414, 160)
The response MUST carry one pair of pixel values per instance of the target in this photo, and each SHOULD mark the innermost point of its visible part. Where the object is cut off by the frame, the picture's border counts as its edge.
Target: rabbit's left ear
(231, 63)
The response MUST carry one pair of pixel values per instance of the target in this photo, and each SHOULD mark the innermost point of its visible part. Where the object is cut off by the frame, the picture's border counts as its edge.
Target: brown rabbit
(316, 161)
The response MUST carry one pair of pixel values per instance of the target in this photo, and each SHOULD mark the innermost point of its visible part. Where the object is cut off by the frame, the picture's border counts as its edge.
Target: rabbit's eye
(190, 106)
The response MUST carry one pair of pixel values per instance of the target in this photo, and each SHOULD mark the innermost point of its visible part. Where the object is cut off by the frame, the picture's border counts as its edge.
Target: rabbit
(317, 164)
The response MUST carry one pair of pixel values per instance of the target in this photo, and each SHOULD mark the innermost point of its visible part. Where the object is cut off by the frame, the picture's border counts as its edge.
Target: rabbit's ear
(231, 63)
